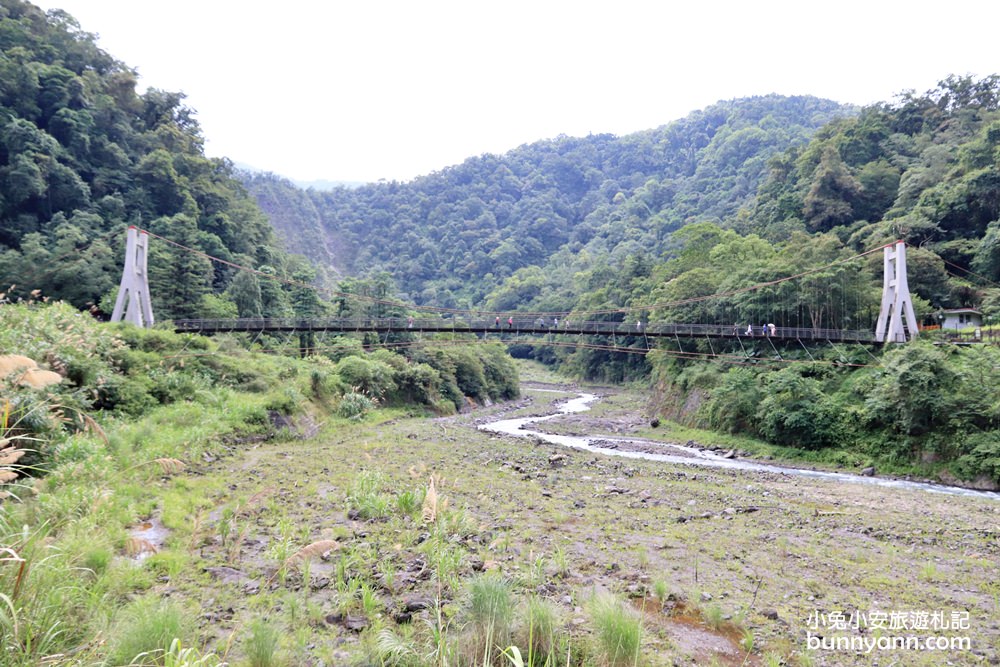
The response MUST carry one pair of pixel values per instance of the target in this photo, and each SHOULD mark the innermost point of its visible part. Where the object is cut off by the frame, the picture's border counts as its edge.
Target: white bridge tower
(896, 302)
(134, 288)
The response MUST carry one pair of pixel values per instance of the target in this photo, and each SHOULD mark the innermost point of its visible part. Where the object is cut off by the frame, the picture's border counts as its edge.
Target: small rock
(413, 603)
(868, 472)
(731, 454)
(226, 575)
(353, 514)
(706, 597)
(557, 460)
(771, 614)
(356, 623)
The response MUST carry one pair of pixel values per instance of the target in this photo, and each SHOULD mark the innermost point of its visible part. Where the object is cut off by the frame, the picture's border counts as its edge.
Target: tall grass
(366, 496)
(42, 595)
(491, 614)
(147, 626)
(261, 646)
(539, 630)
(178, 656)
(618, 632)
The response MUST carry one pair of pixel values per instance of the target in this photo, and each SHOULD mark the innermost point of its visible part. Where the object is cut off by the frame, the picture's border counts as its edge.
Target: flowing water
(693, 455)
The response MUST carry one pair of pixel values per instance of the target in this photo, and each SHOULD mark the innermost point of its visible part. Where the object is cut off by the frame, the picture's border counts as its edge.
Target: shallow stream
(692, 455)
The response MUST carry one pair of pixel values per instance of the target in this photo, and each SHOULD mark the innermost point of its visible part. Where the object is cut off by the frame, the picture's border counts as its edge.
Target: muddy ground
(725, 567)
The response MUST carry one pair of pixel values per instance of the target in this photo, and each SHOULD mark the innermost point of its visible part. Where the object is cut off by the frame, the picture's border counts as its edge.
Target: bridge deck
(519, 326)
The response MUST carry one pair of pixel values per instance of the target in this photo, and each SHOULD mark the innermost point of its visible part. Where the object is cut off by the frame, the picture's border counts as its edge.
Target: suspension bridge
(515, 327)
(896, 320)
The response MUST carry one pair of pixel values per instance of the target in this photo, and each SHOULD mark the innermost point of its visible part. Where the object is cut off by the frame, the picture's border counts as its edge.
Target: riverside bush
(354, 405)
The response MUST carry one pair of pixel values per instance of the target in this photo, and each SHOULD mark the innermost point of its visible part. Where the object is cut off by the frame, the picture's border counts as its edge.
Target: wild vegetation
(83, 155)
(176, 500)
(725, 206)
(244, 519)
(129, 406)
(453, 237)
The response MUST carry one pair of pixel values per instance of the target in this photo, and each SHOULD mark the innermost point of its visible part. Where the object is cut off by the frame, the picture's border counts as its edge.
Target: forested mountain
(451, 237)
(701, 220)
(83, 155)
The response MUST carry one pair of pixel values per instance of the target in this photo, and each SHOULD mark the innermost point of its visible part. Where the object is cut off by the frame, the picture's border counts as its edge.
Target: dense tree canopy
(450, 238)
(83, 155)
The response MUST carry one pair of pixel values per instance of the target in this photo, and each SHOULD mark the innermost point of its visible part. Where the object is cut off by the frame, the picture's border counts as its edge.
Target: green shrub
(418, 383)
(131, 395)
(394, 361)
(794, 411)
(354, 406)
(732, 407)
(342, 347)
(286, 399)
(500, 372)
(369, 377)
(983, 457)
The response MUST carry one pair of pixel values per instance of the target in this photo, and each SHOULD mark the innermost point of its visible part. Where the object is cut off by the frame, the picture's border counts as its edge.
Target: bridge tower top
(133, 293)
(896, 303)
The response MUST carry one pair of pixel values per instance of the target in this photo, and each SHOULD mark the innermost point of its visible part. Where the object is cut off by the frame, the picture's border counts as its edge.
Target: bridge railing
(518, 325)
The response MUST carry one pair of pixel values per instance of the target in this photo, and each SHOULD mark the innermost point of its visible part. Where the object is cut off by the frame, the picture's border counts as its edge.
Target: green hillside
(451, 237)
(83, 155)
(702, 220)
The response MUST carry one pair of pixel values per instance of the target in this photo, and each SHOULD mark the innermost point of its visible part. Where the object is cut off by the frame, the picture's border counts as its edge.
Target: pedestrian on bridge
(772, 330)
(750, 330)
(409, 322)
(497, 324)
(510, 322)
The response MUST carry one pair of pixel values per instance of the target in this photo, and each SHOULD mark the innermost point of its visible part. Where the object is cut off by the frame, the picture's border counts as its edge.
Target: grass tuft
(491, 613)
(146, 627)
(618, 631)
(261, 646)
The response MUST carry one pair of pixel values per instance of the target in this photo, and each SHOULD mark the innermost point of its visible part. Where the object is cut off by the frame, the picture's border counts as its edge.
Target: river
(692, 455)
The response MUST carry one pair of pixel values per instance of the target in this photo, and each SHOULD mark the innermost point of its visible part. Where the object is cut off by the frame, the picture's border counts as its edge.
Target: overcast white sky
(363, 90)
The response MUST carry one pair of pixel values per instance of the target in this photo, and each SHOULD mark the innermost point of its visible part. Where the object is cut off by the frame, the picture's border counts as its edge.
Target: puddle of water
(146, 539)
(693, 638)
(694, 456)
